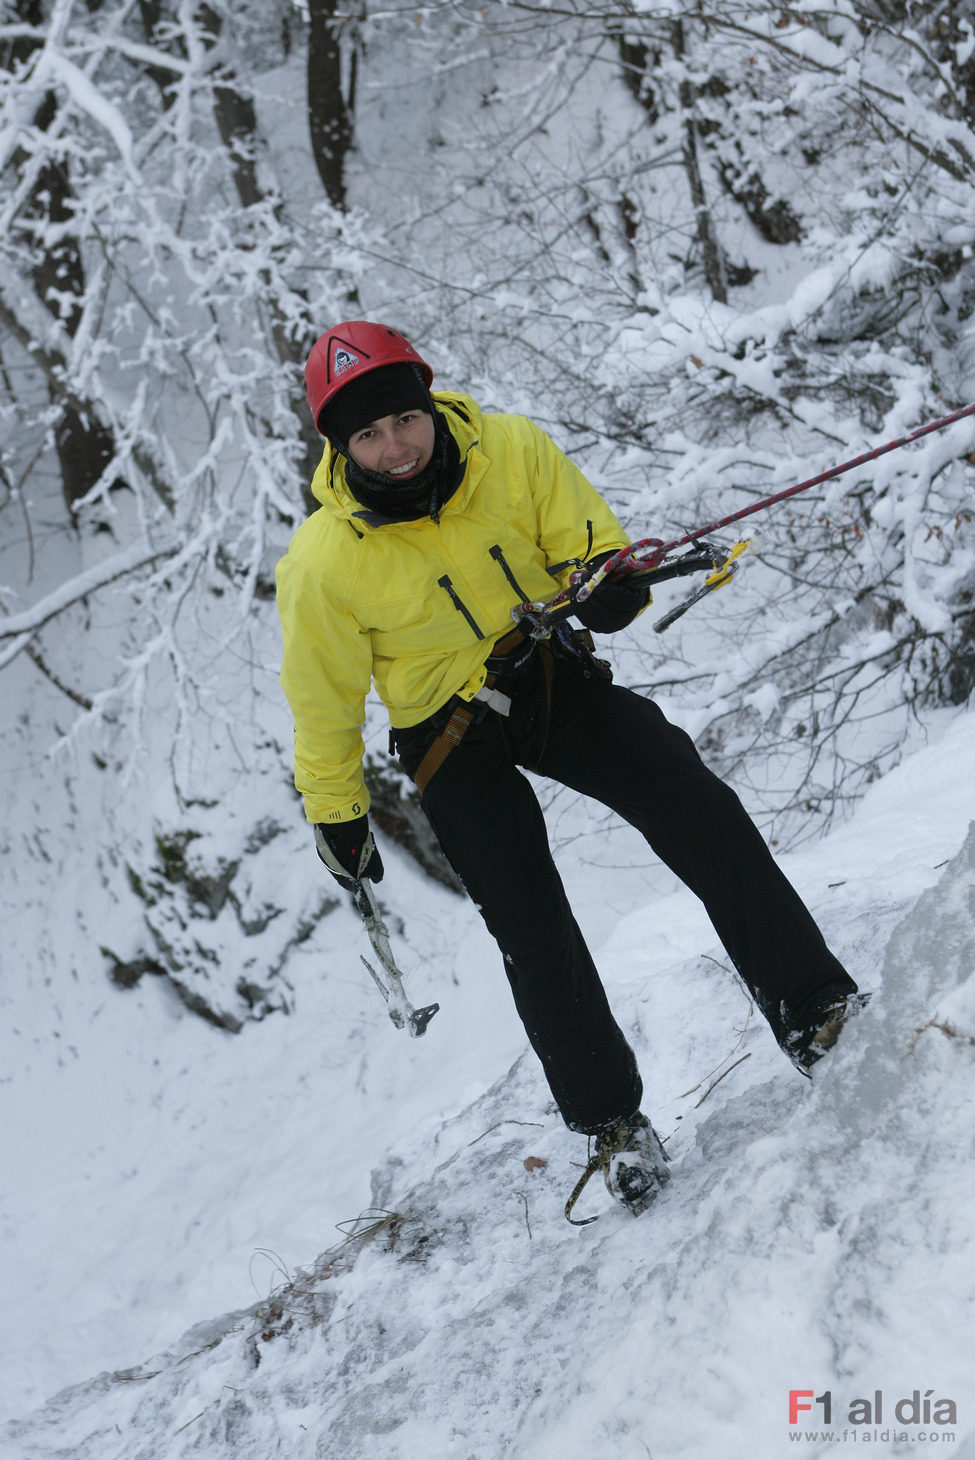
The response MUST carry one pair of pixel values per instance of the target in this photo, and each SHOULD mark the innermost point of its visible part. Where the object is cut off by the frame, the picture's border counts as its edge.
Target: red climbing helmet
(352, 349)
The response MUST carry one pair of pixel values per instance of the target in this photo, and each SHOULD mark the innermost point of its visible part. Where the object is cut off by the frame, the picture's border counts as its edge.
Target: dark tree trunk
(236, 120)
(329, 115)
(711, 254)
(84, 445)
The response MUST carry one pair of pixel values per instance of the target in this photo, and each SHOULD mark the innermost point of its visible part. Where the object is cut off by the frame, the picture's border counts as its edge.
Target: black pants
(573, 725)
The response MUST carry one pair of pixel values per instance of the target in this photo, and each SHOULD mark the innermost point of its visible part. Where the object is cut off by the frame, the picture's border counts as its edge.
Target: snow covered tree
(155, 303)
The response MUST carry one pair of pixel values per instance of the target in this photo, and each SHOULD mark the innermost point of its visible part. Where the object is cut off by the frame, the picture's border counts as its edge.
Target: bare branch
(120, 565)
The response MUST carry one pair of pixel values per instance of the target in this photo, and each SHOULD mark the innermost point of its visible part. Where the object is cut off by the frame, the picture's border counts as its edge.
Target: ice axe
(401, 1011)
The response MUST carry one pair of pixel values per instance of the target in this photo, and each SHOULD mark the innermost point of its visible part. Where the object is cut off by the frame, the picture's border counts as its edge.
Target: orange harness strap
(450, 736)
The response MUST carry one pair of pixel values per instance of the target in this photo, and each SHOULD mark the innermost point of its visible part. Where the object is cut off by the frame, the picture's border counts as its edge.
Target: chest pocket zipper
(497, 553)
(459, 603)
(499, 557)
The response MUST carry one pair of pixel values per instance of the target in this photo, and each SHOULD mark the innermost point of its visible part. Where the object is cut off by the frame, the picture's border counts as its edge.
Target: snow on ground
(816, 1236)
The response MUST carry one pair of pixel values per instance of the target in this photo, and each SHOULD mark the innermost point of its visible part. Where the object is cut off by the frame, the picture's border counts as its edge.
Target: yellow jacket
(416, 607)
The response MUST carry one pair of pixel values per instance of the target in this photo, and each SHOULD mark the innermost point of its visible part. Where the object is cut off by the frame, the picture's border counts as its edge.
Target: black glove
(349, 852)
(615, 602)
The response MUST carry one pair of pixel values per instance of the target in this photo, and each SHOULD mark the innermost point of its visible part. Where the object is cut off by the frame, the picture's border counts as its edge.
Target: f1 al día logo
(917, 1416)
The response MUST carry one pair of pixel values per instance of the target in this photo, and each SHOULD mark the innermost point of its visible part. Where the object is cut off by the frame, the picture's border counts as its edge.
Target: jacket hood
(464, 420)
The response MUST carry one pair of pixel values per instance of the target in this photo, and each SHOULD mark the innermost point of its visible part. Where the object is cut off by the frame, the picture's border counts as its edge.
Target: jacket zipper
(459, 603)
(558, 568)
(497, 553)
(499, 558)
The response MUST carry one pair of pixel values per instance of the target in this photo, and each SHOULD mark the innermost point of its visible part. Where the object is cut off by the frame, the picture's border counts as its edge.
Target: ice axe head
(420, 1018)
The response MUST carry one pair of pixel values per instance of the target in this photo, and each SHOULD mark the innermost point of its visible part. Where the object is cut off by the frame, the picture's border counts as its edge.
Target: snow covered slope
(816, 1236)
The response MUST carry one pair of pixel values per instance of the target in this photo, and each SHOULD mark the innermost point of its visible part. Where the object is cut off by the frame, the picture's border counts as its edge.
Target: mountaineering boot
(634, 1162)
(818, 1026)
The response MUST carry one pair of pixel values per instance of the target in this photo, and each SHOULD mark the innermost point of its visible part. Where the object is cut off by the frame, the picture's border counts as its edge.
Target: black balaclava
(391, 390)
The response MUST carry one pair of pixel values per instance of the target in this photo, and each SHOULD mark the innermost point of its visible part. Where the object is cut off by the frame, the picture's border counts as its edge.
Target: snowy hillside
(815, 1236)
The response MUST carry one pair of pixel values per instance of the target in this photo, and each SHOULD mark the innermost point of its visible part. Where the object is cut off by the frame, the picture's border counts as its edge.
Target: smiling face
(399, 446)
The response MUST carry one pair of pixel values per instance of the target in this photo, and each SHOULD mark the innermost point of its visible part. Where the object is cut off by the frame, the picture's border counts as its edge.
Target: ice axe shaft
(401, 1011)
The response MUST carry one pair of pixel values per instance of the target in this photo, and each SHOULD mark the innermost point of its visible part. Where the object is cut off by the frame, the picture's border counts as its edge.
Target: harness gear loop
(548, 674)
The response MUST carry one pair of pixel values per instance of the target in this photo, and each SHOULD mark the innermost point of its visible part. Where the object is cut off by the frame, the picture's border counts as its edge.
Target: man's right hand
(349, 852)
(615, 602)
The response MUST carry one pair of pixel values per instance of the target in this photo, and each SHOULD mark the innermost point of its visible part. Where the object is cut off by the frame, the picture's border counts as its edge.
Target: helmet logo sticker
(344, 360)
